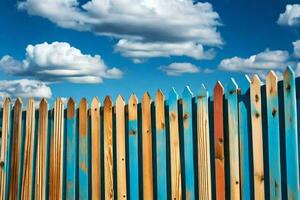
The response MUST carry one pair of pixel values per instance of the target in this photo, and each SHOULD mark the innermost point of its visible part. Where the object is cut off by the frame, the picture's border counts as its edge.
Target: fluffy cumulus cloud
(59, 61)
(296, 45)
(23, 88)
(265, 60)
(145, 28)
(291, 16)
(177, 69)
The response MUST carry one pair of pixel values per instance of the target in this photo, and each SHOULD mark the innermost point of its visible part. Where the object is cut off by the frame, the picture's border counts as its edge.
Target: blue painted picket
(291, 135)
(79, 154)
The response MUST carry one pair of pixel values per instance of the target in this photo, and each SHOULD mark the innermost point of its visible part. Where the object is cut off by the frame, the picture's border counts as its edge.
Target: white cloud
(24, 88)
(59, 61)
(266, 60)
(296, 45)
(291, 16)
(140, 23)
(177, 69)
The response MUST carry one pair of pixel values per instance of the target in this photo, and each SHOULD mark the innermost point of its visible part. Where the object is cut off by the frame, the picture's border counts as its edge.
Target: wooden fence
(239, 143)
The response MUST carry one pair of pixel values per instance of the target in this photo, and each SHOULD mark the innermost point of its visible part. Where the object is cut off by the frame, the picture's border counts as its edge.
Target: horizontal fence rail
(238, 143)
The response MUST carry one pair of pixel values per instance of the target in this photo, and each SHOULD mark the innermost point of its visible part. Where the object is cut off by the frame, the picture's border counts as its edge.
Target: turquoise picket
(71, 154)
(273, 136)
(133, 148)
(161, 146)
(244, 119)
(188, 140)
(233, 134)
(83, 150)
(291, 135)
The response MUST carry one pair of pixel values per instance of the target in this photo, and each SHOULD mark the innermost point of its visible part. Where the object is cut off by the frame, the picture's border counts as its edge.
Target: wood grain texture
(121, 148)
(233, 131)
(188, 142)
(95, 149)
(71, 151)
(56, 152)
(27, 182)
(257, 138)
(108, 150)
(4, 148)
(134, 179)
(273, 136)
(83, 151)
(147, 148)
(291, 135)
(40, 181)
(219, 141)
(161, 159)
(204, 166)
(176, 185)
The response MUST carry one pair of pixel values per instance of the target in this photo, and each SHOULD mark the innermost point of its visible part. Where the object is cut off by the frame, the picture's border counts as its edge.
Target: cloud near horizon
(59, 61)
(144, 29)
(178, 69)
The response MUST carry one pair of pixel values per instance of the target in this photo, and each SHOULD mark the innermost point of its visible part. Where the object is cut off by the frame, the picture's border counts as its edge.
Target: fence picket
(95, 149)
(244, 123)
(108, 150)
(233, 134)
(176, 186)
(133, 148)
(72, 151)
(161, 154)
(291, 135)
(187, 96)
(40, 182)
(273, 136)
(257, 138)
(28, 165)
(121, 148)
(56, 152)
(204, 167)
(147, 147)
(83, 150)
(219, 142)
(4, 148)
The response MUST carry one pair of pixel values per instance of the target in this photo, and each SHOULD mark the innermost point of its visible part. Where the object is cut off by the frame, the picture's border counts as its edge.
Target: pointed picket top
(219, 87)
(232, 86)
(107, 101)
(256, 80)
(58, 102)
(83, 103)
(187, 92)
(133, 100)
(18, 102)
(95, 105)
(159, 96)
(289, 73)
(120, 101)
(173, 94)
(71, 108)
(146, 98)
(203, 91)
(132, 107)
(271, 77)
(42, 103)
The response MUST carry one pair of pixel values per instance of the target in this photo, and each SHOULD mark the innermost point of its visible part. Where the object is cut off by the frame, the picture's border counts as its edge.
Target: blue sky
(87, 48)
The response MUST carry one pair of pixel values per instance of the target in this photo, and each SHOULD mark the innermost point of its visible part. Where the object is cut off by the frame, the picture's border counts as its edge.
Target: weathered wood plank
(133, 147)
(95, 149)
(72, 151)
(121, 148)
(244, 125)
(108, 150)
(291, 135)
(257, 138)
(204, 167)
(161, 159)
(233, 132)
(187, 96)
(4, 148)
(273, 136)
(83, 150)
(219, 142)
(56, 152)
(176, 186)
(40, 181)
(147, 147)
(27, 182)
